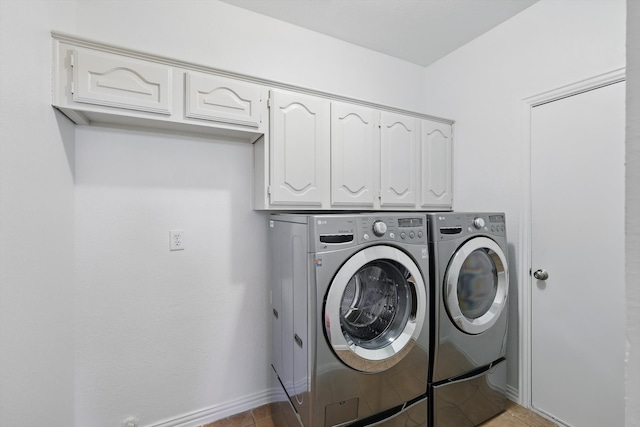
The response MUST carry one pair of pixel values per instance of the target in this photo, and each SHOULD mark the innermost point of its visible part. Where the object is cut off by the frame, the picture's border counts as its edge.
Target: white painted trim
(524, 304)
(220, 411)
(512, 393)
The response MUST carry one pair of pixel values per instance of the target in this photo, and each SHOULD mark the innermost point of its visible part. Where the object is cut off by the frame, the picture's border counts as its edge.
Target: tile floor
(268, 416)
(517, 416)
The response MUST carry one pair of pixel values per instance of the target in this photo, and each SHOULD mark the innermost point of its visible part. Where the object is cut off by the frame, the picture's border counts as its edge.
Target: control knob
(379, 228)
(478, 223)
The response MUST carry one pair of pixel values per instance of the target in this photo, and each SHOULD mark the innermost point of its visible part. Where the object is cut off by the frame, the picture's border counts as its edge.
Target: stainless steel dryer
(470, 279)
(350, 317)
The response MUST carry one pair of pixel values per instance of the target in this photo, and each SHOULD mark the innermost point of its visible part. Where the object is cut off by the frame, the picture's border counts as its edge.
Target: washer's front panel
(470, 401)
(470, 284)
(372, 331)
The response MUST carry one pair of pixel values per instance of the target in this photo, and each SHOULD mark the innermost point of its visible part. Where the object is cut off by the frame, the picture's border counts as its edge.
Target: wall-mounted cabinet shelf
(94, 86)
(312, 150)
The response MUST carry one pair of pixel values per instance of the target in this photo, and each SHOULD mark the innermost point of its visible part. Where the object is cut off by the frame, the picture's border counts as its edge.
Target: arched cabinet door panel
(219, 99)
(436, 165)
(354, 155)
(398, 160)
(299, 150)
(115, 81)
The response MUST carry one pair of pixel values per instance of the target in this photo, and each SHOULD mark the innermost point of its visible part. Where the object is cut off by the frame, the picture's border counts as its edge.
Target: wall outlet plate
(176, 240)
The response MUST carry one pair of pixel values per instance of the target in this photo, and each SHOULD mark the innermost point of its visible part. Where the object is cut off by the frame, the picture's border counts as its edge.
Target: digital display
(496, 218)
(410, 222)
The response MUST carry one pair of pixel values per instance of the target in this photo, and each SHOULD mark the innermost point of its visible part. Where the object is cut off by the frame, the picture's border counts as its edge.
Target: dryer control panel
(452, 225)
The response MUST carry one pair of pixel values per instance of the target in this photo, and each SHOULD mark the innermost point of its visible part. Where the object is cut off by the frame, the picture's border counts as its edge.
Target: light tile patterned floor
(267, 416)
(517, 416)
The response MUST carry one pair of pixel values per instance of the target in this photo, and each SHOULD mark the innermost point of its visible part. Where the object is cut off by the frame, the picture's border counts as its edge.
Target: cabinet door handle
(275, 313)
(298, 340)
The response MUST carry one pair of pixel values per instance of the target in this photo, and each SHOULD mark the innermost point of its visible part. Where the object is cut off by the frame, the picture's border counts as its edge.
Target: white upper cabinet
(219, 99)
(398, 160)
(436, 165)
(121, 82)
(100, 84)
(362, 158)
(299, 150)
(355, 144)
(311, 150)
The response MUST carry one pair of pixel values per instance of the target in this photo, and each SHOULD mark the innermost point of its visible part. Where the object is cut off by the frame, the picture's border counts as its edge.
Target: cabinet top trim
(87, 43)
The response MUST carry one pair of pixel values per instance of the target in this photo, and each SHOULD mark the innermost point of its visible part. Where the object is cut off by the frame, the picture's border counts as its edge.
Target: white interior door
(577, 190)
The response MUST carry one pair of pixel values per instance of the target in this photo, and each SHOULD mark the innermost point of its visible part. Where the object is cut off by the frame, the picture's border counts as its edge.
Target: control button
(493, 228)
(412, 234)
(478, 223)
(419, 233)
(366, 236)
(403, 235)
(392, 235)
(379, 228)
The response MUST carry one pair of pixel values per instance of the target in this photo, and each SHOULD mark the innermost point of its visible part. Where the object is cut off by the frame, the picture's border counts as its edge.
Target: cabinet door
(398, 159)
(299, 150)
(436, 165)
(354, 145)
(121, 82)
(222, 100)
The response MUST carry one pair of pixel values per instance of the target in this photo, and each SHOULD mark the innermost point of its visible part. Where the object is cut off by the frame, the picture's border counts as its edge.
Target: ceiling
(418, 31)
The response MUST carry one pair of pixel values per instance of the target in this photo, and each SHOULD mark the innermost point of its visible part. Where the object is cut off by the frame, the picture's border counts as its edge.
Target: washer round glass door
(375, 308)
(476, 285)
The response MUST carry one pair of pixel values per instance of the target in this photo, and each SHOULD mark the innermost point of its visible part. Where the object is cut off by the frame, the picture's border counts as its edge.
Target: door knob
(541, 274)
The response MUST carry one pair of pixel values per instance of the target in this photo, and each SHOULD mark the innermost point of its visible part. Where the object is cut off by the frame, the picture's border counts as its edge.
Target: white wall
(633, 215)
(36, 222)
(161, 334)
(154, 328)
(482, 85)
(223, 36)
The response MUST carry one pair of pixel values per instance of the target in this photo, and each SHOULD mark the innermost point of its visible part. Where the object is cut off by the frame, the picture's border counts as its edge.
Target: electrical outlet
(130, 422)
(176, 240)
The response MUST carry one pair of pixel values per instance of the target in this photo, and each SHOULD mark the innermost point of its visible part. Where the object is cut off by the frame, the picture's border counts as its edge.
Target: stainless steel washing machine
(350, 304)
(470, 277)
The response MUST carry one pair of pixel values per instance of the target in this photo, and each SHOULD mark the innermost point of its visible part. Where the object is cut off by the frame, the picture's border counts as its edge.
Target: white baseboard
(513, 394)
(223, 410)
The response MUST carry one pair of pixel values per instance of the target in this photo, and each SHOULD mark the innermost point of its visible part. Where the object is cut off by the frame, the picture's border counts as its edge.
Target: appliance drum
(376, 305)
(375, 308)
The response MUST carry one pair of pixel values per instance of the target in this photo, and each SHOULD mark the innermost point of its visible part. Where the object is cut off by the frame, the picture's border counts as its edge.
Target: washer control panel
(408, 229)
(379, 228)
(344, 230)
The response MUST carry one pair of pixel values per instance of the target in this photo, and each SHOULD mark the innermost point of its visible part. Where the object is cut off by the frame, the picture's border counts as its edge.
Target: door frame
(524, 391)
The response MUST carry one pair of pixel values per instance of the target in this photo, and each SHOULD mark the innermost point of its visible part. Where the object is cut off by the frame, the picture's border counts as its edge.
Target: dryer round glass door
(476, 285)
(375, 308)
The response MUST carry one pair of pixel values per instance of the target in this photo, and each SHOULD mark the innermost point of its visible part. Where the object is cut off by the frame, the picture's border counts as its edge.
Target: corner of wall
(632, 411)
